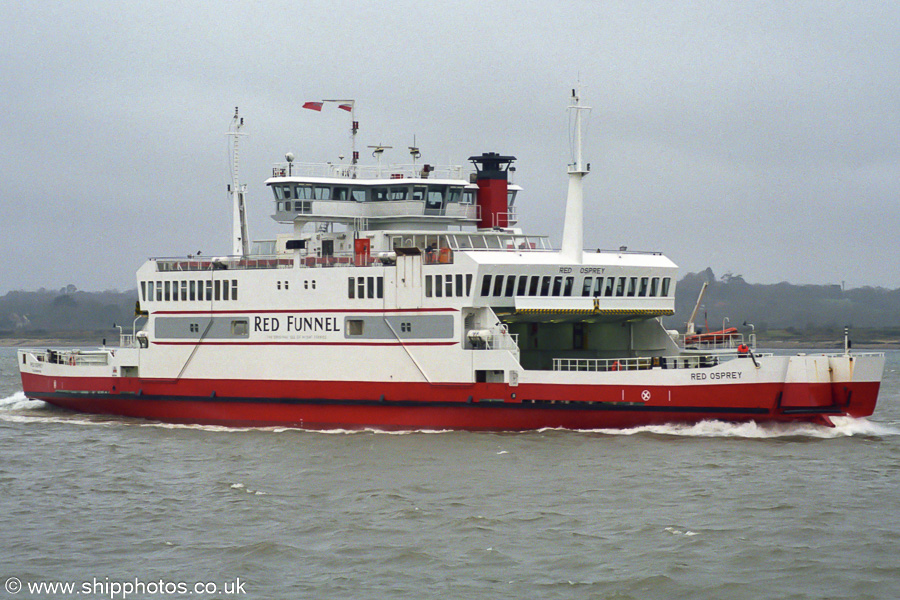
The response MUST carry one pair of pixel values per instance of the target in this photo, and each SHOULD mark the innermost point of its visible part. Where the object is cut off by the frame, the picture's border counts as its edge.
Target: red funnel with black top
(493, 171)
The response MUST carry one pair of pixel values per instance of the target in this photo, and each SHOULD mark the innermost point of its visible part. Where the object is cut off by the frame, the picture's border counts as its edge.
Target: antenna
(239, 235)
(414, 152)
(377, 152)
(573, 227)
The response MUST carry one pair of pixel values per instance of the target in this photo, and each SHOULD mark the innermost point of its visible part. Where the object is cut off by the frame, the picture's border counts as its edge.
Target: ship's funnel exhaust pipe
(573, 227)
(493, 175)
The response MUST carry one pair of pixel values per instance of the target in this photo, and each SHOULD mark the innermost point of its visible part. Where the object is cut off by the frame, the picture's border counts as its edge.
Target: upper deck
(379, 197)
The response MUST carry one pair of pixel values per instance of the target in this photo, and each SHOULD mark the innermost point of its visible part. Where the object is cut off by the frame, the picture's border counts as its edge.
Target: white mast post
(239, 235)
(354, 128)
(573, 226)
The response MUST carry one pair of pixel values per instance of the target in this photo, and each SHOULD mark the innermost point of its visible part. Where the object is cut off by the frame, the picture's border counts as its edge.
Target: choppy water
(709, 511)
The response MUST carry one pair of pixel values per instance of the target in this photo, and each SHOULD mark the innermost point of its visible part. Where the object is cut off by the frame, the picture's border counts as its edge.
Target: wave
(843, 427)
(19, 401)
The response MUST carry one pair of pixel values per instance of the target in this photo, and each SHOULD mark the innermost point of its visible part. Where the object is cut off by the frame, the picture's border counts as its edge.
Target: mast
(239, 237)
(350, 107)
(573, 227)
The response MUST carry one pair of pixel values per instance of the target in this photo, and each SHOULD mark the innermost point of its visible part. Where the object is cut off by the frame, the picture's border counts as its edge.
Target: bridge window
(570, 283)
(620, 288)
(399, 193)
(358, 194)
(428, 286)
(304, 192)
(288, 193)
(453, 194)
(435, 197)
(533, 287)
(586, 288)
(598, 286)
(468, 197)
(380, 194)
(654, 286)
(323, 192)
(279, 193)
(438, 286)
(419, 192)
(632, 286)
(665, 286)
(459, 285)
(340, 193)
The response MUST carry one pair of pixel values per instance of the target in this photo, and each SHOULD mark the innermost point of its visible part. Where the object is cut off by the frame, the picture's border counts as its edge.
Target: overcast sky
(757, 138)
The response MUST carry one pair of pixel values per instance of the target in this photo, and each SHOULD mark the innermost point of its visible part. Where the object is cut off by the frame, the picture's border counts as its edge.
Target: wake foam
(843, 427)
(19, 401)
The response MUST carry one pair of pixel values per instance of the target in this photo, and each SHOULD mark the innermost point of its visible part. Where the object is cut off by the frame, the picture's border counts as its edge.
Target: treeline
(813, 310)
(810, 310)
(47, 311)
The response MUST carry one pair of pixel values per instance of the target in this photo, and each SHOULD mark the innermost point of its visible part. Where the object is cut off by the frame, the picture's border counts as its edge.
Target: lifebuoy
(615, 366)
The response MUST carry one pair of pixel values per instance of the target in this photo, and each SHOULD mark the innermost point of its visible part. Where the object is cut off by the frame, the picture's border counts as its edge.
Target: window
(632, 286)
(510, 285)
(620, 287)
(498, 285)
(279, 193)
(459, 285)
(523, 285)
(485, 285)
(654, 286)
(370, 287)
(567, 289)
(399, 193)
(143, 291)
(225, 289)
(240, 328)
(360, 287)
(234, 288)
(351, 287)
(545, 285)
(323, 192)
(168, 295)
(405, 327)
(379, 287)
(194, 328)
(610, 286)
(288, 194)
(643, 289)
(448, 286)
(340, 193)
(355, 326)
(468, 197)
(533, 287)
(468, 284)
(217, 286)
(193, 290)
(304, 192)
(598, 286)
(428, 286)
(439, 286)
(209, 294)
(665, 286)
(586, 288)
(199, 290)
(418, 193)
(358, 194)
(453, 195)
(557, 285)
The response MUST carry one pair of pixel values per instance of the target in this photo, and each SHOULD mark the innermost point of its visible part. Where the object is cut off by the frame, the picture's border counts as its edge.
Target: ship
(407, 297)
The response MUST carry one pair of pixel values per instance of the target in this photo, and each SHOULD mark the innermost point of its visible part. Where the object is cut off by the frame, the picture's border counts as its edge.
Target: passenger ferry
(407, 297)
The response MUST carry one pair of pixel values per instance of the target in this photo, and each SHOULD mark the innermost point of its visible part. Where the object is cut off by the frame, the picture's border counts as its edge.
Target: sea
(99, 507)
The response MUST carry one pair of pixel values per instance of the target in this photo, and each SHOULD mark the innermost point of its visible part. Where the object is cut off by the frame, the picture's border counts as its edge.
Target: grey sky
(757, 138)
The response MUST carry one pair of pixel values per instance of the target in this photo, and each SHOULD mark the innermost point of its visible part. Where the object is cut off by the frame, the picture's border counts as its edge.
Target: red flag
(313, 105)
(347, 107)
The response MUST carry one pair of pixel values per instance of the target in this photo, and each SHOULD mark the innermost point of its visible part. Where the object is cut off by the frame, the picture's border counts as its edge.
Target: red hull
(477, 406)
